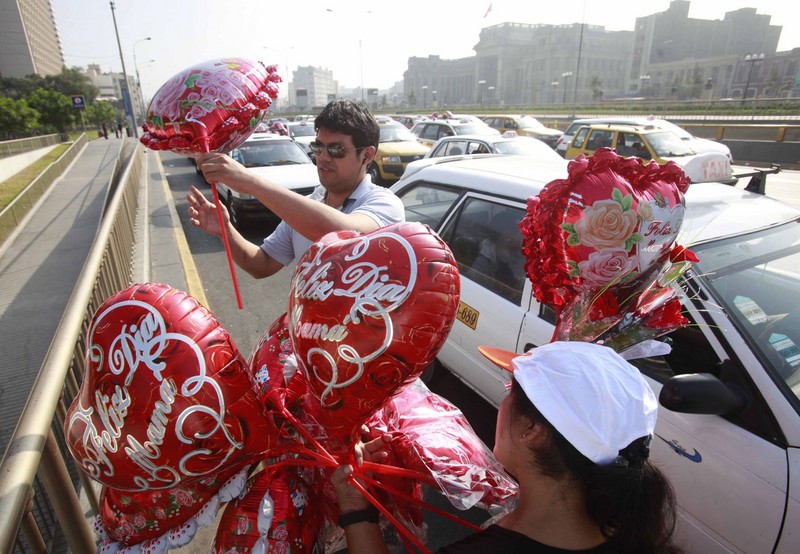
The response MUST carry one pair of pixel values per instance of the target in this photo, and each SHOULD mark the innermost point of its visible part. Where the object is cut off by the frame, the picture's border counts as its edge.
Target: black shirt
(500, 540)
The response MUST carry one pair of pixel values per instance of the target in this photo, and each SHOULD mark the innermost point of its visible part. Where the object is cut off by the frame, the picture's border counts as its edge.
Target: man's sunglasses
(334, 150)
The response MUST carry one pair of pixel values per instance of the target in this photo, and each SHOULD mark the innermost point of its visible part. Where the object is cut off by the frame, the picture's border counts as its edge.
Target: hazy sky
(345, 37)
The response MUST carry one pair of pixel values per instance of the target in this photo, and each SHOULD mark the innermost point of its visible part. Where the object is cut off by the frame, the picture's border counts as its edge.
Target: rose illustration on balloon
(598, 245)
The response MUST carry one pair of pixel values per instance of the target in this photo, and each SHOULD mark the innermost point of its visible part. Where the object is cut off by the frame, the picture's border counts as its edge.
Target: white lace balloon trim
(180, 535)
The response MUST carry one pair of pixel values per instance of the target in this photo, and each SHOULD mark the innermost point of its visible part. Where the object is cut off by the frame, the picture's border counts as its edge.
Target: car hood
(705, 168)
(292, 177)
(539, 132)
(404, 148)
(701, 146)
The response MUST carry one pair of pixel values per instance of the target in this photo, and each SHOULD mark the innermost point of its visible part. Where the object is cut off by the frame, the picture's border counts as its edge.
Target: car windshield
(267, 153)
(668, 145)
(527, 121)
(474, 129)
(396, 133)
(756, 279)
(525, 148)
(668, 126)
(302, 131)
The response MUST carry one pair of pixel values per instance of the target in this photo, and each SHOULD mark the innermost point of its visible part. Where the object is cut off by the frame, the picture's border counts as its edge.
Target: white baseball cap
(599, 402)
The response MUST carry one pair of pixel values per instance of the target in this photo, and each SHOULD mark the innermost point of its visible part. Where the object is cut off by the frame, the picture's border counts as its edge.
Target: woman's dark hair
(350, 118)
(633, 506)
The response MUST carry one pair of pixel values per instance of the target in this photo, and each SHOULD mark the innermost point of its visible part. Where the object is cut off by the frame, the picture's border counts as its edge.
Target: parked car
(699, 145)
(428, 131)
(303, 134)
(728, 432)
(397, 147)
(652, 143)
(277, 158)
(525, 126)
(508, 144)
(407, 120)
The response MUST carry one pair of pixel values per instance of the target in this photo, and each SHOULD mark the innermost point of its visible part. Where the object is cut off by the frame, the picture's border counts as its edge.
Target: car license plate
(468, 315)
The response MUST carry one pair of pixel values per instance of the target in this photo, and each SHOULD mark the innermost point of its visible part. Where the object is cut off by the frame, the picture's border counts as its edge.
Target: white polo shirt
(285, 244)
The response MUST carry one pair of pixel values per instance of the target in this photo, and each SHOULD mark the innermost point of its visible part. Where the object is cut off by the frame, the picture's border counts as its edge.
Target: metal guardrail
(20, 146)
(11, 216)
(37, 449)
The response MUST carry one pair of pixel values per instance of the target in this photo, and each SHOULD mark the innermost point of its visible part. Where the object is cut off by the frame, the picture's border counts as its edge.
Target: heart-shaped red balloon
(367, 314)
(600, 238)
(134, 517)
(210, 107)
(166, 398)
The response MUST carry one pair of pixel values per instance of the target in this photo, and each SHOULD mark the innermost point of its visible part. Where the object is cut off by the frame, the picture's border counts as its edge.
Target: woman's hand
(203, 213)
(349, 497)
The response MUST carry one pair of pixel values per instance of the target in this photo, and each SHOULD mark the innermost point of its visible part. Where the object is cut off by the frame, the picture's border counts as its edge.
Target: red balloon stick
(227, 244)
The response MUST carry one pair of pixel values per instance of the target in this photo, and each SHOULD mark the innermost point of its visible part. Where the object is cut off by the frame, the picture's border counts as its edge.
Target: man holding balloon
(346, 143)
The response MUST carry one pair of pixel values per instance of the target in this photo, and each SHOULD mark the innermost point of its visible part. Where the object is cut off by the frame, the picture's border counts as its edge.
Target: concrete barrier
(758, 152)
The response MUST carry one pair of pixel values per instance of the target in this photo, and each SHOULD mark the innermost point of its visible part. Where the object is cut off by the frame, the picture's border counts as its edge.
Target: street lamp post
(424, 95)
(750, 59)
(480, 90)
(566, 75)
(433, 98)
(138, 80)
(490, 90)
(642, 80)
(124, 72)
(555, 84)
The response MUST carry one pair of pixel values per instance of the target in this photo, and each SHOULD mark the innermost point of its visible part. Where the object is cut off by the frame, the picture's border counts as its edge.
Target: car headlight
(390, 159)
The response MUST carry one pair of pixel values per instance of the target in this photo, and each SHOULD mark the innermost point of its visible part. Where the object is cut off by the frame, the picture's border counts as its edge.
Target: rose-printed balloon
(278, 513)
(367, 314)
(166, 398)
(597, 240)
(211, 107)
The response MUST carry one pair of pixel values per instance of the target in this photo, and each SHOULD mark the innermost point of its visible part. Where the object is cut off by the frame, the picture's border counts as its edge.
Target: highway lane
(266, 299)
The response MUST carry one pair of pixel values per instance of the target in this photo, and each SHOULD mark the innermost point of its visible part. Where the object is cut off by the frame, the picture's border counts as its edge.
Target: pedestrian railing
(13, 214)
(40, 500)
(20, 146)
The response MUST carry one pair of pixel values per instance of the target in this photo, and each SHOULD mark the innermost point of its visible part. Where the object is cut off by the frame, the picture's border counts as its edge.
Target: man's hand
(222, 168)
(203, 213)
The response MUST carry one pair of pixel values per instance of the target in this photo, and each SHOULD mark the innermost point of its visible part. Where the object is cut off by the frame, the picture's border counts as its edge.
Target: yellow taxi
(397, 147)
(524, 126)
(652, 143)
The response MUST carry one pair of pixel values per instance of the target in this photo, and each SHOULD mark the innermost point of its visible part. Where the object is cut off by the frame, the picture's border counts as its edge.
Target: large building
(667, 55)
(29, 42)
(311, 87)
(109, 84)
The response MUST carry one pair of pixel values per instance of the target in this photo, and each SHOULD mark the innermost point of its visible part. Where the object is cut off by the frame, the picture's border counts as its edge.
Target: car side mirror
(700, 393)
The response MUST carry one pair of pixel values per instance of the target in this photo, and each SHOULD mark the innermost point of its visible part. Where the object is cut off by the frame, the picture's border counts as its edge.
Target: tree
(696, 82)
(72, 81)
(55, 109)
(596, 84)
(101, 111)
(412, 99)
(16, 117)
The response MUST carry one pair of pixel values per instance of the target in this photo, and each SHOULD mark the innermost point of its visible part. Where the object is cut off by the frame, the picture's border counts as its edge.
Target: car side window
(430, 132)
(580, 137)
(630, 144)
(477, 148)
(428, 204)
(453, 148)
(600, 139)
(487, 245)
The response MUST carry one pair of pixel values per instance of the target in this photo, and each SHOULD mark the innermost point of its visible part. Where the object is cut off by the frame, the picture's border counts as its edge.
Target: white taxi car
(728, 433)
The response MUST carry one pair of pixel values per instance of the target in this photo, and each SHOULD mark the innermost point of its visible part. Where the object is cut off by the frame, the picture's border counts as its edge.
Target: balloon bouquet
(600, 249)
(174, 423)
(211, 107)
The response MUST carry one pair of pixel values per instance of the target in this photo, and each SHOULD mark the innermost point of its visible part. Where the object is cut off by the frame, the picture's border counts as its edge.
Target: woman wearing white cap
(575, 432)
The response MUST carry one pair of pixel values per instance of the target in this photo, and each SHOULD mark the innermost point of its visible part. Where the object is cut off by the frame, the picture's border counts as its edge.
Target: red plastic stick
(224, 230)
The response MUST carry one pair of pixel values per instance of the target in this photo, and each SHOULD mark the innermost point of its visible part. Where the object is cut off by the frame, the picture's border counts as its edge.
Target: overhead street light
(124, 72)
(566, 75)
(750, 59)
(138, 80)
(481, 82)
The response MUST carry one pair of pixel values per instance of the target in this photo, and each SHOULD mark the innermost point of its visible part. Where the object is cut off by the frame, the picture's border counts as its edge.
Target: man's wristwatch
(358, 516)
